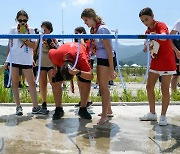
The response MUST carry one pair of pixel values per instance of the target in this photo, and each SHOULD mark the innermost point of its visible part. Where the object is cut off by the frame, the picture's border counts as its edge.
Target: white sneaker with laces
(149, 117)
(162, 121)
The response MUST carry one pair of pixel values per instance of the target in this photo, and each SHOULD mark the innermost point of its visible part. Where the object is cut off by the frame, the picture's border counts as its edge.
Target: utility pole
(62, 23)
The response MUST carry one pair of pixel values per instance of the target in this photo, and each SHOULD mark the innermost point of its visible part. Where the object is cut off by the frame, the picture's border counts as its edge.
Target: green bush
(141, 96)
(127, 96)
(175, 96)
(115, 96)
(129, 75)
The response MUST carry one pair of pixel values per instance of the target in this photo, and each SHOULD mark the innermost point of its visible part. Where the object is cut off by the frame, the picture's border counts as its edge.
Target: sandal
(108, 114)
(102, 120)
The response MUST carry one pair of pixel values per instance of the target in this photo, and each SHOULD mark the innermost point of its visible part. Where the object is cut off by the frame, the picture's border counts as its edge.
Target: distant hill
(3, 50)
(127, 54)
(139, 58)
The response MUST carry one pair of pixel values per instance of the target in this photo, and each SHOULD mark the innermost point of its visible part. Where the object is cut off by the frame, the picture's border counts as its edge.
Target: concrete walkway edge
(95, 104)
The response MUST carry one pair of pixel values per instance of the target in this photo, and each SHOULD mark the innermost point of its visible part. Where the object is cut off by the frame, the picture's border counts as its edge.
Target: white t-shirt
(20, 55)
(177, 26)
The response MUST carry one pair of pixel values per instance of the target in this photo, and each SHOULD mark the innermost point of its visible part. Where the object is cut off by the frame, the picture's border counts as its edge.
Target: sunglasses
(24, 20)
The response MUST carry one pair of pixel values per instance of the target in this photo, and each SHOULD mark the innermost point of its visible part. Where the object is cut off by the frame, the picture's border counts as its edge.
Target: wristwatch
(79, 73)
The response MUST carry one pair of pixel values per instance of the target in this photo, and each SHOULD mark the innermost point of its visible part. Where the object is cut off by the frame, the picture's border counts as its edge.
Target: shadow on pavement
(165, 133)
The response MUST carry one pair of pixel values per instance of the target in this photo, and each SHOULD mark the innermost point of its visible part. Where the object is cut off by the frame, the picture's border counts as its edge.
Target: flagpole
(62, 25)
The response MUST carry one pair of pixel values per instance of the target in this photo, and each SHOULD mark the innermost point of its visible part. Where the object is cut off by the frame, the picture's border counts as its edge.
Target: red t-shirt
(164, 61)
(57, 55)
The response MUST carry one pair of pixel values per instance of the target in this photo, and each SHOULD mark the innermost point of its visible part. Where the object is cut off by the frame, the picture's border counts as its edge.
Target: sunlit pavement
(124, 133)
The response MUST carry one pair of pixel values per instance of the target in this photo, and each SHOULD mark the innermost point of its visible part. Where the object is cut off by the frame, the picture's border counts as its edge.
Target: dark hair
(90, 13)
(146, 11)
(65, 70)
(48, 25)
(21, 13)
(80, 30)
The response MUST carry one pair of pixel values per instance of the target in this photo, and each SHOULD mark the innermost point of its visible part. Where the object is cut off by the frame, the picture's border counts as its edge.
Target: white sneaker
(149, 117)
(19, 110)
(162, 121)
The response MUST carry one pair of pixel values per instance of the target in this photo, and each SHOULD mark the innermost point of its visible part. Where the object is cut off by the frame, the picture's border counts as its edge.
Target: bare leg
(103, 78)
(166, 79)
(15, 84)
(174, 82)
(43, 85)
(151, 81)
(56, 89)
(32, 86)
(82, 85)
(84, 89)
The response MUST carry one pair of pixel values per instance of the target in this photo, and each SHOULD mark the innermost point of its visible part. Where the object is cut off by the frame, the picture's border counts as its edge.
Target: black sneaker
(83, 113)
(44, 106)
(39, 110)
(19, 110)
(59, 112)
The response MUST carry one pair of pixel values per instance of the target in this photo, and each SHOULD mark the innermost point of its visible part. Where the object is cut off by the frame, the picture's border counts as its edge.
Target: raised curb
(96, 104)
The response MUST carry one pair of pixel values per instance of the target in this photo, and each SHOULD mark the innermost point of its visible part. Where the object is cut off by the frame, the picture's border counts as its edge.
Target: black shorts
(83, 80)
(103, 62)
(21, 66)
(58, 77)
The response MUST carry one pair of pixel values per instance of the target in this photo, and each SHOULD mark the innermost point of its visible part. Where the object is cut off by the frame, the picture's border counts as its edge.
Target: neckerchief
(27, 29)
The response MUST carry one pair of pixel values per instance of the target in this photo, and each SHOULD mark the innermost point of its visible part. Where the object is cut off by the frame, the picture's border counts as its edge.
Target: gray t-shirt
(177, 26)
(100, 49)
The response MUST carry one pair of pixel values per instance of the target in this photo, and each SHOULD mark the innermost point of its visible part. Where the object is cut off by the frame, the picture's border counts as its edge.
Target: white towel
(154, 48)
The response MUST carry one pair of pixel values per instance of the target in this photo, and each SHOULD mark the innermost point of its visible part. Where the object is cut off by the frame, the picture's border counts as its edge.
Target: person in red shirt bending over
(86, 44)
(162, 64)
(64, 56)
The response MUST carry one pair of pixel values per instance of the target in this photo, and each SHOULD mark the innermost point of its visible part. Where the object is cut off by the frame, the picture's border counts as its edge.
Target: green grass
(126, 96)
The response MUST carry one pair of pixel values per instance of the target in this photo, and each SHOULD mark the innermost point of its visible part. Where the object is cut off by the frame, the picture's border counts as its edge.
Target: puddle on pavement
(76, 134)
(14, 120)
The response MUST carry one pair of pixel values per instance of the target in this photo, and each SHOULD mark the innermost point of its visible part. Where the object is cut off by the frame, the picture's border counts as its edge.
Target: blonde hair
(90, 13)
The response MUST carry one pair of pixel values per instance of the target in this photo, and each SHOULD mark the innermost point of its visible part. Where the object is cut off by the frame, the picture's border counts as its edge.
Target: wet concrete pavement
(124, 133)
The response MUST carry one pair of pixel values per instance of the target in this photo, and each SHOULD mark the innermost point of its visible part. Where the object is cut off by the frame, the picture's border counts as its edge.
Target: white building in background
(125, 65)
(134, 65)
